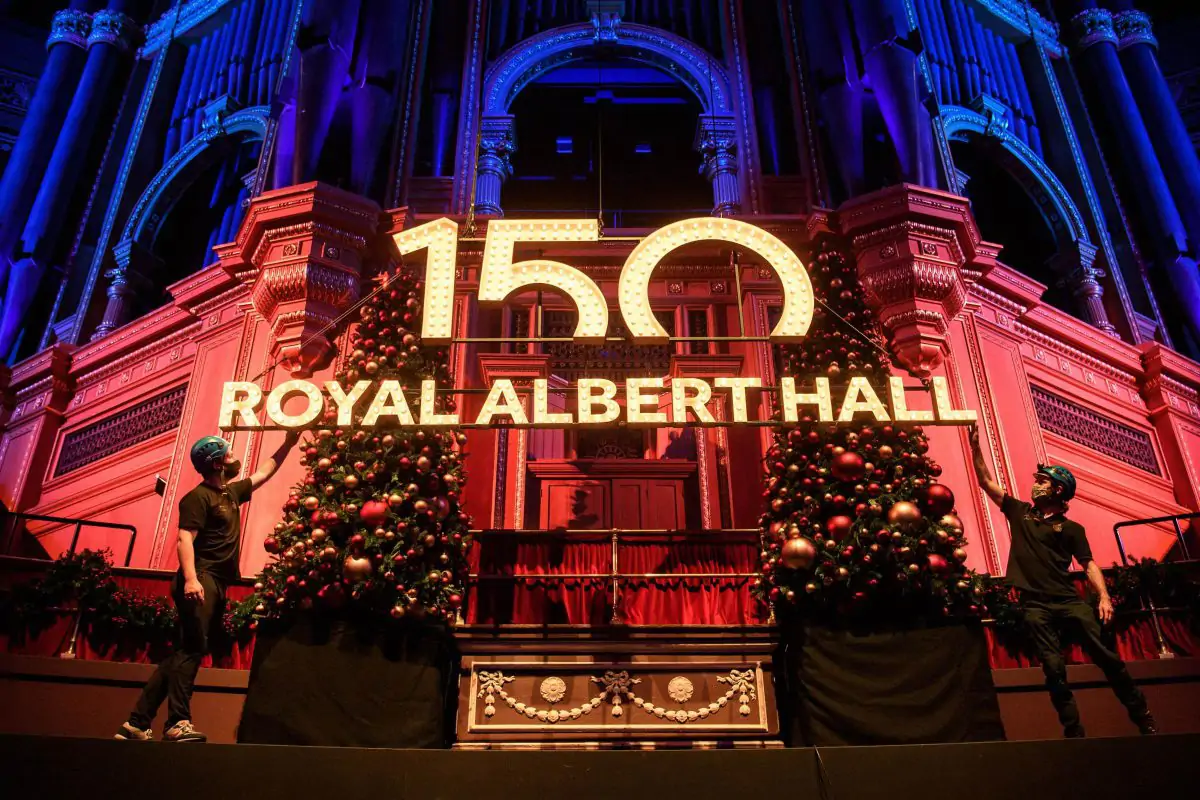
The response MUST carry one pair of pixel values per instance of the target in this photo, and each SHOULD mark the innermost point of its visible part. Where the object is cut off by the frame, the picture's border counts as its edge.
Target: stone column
(497, 141)
(1128, 145)
(917, 250)
(134, 261)
(66, 45)
(716, 140)
(1172, 144)
(301, 249)
(1077, 266)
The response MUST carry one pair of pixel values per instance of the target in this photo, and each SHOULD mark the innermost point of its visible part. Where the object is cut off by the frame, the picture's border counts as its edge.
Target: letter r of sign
(500, 276)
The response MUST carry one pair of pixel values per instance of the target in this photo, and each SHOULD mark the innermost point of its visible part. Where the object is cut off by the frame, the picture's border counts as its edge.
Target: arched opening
(607, 135)
(1008, 215)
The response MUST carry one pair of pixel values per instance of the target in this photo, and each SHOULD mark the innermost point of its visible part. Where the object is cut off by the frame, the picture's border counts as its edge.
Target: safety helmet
(208, 452)
(1061, 476)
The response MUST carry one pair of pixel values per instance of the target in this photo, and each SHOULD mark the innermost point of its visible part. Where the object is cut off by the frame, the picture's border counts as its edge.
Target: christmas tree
(375, 527)
(857, 529)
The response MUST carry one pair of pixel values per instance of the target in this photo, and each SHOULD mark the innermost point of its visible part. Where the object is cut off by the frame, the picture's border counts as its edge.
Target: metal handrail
(79, 525)
(1174, 519)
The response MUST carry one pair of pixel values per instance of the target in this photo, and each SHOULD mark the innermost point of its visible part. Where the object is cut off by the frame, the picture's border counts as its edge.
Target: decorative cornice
(115, 28)
(70, 27)
(179, 20)
(1092, 26)
(1134, 27)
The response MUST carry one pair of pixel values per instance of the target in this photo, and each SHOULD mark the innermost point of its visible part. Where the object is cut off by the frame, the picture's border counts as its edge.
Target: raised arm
(990, 487)
(270, 466)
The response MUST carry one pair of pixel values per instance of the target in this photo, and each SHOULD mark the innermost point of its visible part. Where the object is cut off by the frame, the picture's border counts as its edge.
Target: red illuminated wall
(1047, 387)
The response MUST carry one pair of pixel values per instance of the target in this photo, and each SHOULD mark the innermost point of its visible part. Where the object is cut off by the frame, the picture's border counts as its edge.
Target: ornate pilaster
(1170, 386)
(1081, 276)
(917, 250)
(132, 261)
(497, 141)
(716, 140)
(40, 389)
(301, 249)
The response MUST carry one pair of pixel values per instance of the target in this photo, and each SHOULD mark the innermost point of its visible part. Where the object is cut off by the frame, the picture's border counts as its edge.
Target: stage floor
(53, 767)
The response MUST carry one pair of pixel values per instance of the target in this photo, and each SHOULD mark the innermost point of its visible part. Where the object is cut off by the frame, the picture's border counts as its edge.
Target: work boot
(1146, 725)
(1074, 732)
(132, 733)
(183, 731)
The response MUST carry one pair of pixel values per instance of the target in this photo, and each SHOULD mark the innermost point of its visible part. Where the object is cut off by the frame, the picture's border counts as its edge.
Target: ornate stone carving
(917, 249)
(116, 432)
(114, 28)
(680, 689)
(1134, 27)
(1084, 426)
(497, 142)
(716, 140)
(553, 689)
(69, 27)
(1093, 26)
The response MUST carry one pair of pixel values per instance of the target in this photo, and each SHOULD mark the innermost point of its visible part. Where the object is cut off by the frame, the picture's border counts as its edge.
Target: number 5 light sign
(384, 403)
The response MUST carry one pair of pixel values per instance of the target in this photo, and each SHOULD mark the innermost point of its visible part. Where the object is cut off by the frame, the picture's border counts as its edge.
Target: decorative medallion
(680, 689)
(553, 689)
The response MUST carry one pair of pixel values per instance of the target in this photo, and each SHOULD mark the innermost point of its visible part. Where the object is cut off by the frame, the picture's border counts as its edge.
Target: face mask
(232, 468)
(1039, 491)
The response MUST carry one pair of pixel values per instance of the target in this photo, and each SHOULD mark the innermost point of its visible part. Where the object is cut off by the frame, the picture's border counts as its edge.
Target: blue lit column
(716, 139)
(1172, 143)
(1128, 144)
(497, 141)
(39, 131)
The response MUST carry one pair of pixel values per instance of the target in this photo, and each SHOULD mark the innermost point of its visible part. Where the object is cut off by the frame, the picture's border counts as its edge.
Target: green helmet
(1061, 476)
(208, 452)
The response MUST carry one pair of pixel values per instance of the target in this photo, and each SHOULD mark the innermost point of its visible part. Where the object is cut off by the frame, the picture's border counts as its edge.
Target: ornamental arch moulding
(684, 61)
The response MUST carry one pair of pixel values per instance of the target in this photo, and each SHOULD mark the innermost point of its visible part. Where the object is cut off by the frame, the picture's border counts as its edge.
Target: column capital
(917, 251)
(301, 249)
(70, 27)
(1092, 26)
(114, 28)
(1134, 27)
(717, 141)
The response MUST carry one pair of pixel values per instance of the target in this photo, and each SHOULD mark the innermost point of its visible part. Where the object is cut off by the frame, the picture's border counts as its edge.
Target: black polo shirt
(1042, 549)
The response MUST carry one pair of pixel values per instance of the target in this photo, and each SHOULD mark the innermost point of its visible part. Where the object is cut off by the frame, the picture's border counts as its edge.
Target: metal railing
(14, 517)
(615, 575)
(1164, 650)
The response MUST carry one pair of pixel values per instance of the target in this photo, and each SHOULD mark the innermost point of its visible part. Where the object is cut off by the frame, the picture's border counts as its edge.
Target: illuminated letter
(441, 238)
(499, 276)
(634, 287)
(541, 406)
(345, 402)
(634, 400)
(389, 402)
(429, 415)
(946, 412)
(316, 404)
(739, 386)
(900, 411)
(588, 400)
(870, 401)
(502, 389)
(244, 407)
(791, 401)
(698, 403)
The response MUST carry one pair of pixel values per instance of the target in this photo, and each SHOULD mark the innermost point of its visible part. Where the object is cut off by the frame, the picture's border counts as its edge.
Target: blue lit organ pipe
(937, 16)
(934, 51)
(1035, 139)
(975, 36)
(254, 72)
(968, 67)
(174, 138)
(278, 43)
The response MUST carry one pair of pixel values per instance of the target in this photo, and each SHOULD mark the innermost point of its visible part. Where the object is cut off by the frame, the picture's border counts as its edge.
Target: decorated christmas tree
(375, 527)
(857, 530)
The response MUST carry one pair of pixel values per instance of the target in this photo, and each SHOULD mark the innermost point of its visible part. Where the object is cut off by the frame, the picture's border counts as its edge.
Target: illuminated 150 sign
(595, 399)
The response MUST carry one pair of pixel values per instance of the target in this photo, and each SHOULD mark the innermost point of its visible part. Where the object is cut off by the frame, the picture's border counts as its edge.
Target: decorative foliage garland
(375, 527)
(857, 529)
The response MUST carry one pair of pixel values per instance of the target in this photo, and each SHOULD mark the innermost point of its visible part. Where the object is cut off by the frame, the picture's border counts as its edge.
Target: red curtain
(1135, 642)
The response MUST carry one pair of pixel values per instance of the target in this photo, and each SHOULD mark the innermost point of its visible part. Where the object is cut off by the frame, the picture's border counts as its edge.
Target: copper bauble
(839, 525)
(938, 500)
(960, 554)
(350, 481)
(847, 466)
(798, 553)
(952, 522)
(904, 514)
(357, 568)
(311, 503)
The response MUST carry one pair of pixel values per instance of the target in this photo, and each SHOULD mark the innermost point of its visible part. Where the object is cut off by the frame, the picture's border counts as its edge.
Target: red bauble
(848, 466)
(839, 525)
(373, 512)
(939, 500)
(798, 553)
(938, 565)
(904, 514)
(271, 545)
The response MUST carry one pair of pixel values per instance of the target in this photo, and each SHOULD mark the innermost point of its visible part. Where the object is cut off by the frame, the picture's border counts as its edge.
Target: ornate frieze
(1093, 26)
(1084, 426)
(116, 432)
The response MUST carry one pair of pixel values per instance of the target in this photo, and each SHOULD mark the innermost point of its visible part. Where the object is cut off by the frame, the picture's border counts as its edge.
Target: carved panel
(612, 360)
(1084, 426)
(116, 432)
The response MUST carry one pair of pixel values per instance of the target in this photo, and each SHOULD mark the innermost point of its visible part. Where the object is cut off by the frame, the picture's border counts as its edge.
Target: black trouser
(1048, 618)
(175, 677)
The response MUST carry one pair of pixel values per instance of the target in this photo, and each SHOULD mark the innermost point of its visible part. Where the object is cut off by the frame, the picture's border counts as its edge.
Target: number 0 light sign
(384, 403)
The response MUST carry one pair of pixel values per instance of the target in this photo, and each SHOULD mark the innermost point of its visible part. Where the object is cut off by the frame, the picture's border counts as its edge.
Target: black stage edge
(48, 767)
